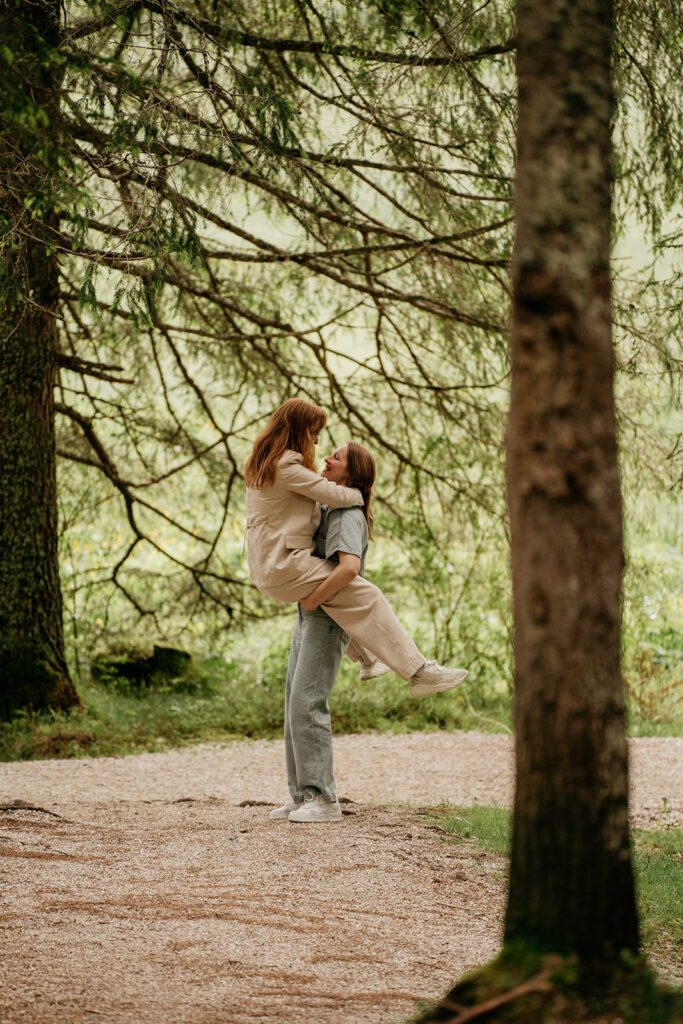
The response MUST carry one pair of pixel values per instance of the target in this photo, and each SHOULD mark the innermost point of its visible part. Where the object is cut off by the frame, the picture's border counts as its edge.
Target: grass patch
(658, 862)
(659, 874)
(489, 827)
(218, 700)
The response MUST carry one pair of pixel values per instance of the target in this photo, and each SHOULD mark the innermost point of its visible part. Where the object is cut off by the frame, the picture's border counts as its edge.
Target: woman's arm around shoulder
(293, 476)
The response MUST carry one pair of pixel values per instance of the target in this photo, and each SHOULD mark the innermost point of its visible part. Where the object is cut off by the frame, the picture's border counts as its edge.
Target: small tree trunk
(33, 671)
(571, 884)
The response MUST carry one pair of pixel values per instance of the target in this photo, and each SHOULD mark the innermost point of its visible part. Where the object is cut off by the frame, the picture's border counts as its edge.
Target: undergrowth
(220, 700)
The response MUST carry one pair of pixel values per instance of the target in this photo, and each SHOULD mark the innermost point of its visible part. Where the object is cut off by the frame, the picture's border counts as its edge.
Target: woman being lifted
(284, 494)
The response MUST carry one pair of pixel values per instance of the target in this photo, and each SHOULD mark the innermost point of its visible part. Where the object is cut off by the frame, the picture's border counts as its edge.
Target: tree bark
(571, 883)
(33, 669)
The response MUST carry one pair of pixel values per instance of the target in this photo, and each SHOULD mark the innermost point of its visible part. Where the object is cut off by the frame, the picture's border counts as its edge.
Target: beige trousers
(362, 611)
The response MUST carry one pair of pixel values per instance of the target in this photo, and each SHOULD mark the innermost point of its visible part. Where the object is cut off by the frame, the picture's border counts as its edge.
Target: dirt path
(148, 894)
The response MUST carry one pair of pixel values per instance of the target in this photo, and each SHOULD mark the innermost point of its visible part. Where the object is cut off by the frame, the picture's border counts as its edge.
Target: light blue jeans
(318, 646)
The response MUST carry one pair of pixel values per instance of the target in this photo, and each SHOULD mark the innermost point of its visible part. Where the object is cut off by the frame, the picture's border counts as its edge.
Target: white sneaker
(317, 809)
(436, 678)
(282, 813)
(372, 669)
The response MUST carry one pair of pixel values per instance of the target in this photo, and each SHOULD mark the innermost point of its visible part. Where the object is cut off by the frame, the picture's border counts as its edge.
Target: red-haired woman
(283, 512)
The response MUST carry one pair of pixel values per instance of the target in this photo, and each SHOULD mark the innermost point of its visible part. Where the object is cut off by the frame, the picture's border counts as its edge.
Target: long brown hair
(360, 473)
(292, 426)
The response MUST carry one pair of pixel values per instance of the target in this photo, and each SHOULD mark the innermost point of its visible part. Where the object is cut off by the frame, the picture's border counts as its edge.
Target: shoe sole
(424, 689)
(318, 820)
(315, 821)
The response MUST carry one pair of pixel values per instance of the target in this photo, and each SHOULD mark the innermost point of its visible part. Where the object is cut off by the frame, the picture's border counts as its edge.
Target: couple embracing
(307, 541)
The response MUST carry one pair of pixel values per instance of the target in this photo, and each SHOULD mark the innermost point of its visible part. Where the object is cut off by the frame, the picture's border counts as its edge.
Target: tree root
(538, 984)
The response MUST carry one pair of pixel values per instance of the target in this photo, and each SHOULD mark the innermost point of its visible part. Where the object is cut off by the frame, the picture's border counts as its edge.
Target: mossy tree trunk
(33, 670)
(571, 883)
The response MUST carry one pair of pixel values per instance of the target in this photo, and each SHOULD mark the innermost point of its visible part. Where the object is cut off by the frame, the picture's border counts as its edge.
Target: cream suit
(281, 521)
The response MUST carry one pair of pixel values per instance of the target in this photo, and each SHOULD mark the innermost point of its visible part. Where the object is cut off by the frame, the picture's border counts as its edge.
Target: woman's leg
(362, 611)
(308, 713)
(370, 666)
(358, 654)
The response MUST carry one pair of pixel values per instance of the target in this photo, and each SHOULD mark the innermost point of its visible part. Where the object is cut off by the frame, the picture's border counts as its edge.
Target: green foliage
(653, 608)
(235, 227)
(243, 696)
(209, 206)
(649, 129)
(119, 720)
(221, 699)
(457, 612)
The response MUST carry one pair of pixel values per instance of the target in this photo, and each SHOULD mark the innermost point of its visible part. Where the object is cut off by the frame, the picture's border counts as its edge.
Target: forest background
(238, 219)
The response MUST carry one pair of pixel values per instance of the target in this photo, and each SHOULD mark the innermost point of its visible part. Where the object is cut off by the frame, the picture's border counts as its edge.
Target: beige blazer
(282, 518)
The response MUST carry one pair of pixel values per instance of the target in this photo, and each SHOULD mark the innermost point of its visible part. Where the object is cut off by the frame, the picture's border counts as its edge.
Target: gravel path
(417, 768)
(143, 892)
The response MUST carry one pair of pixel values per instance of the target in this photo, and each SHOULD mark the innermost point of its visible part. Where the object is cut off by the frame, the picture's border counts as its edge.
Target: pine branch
(222, 35)
(102, 371)
(106, 465)
(114, 258)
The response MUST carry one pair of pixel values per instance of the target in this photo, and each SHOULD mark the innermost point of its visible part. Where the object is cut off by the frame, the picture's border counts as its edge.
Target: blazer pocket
(298, 542)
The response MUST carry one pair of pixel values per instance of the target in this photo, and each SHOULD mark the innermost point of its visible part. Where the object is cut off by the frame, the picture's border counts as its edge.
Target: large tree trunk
(33, 670)
(571, 884)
